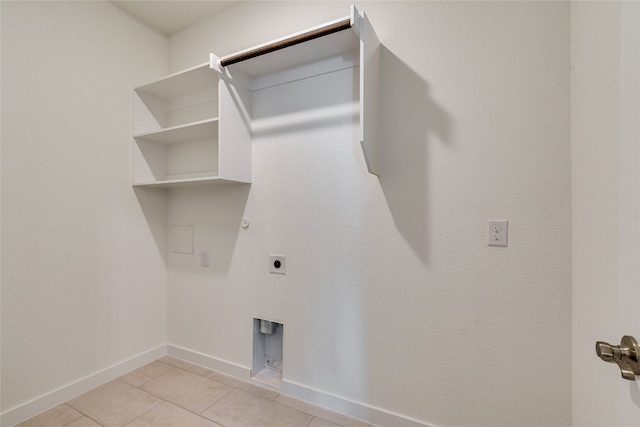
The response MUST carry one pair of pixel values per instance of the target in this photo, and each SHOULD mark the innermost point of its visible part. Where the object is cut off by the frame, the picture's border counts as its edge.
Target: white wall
(392, 297)
(629, 199)
(83, 268)
(595, 59)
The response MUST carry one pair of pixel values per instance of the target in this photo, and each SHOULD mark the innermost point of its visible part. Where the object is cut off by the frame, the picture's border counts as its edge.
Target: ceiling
(169, 17)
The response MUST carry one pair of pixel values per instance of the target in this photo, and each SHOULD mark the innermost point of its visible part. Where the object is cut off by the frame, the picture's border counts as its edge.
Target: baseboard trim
(43, 403)
(210, 362)
(319, 398)
(361, 411)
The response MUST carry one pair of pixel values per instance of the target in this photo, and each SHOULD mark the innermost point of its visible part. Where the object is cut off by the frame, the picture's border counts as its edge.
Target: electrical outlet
(497, 233)
(278, 264)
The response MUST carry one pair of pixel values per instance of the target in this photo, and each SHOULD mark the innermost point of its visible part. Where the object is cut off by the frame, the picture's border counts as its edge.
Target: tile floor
(171, 392)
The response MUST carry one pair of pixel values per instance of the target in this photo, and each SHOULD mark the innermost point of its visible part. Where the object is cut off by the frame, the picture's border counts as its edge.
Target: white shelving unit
(194, 126)
(178, 135)
(344, 43)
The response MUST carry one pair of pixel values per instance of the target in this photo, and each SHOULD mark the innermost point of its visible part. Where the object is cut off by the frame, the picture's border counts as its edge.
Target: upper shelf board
(187, 182)
(337, 43)
(183, 83)
(190, 132)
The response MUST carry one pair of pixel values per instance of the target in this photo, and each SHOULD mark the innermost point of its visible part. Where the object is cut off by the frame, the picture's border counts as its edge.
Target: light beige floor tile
(60, 415)
(265, 393)
(178, 363)
(319, 422)
(316, 411)
(147, 372)
(242, 409)
(84, 422)
(169, 415)
(115, 403)
(190, 391)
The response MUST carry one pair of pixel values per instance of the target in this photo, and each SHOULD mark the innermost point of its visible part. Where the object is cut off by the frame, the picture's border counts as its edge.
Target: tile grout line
(146, 412)
(145, 391)
(83, 414)
(174, 367)
(150, 409)
(239, 385)
(213, 404)
(301, 411)
(155, 395)
(171, 367)
(75, 419)
(246, 391)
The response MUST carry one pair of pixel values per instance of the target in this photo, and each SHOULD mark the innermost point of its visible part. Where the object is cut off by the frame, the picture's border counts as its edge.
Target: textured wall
(83, 270)
(604, 153)
(392, 297)
(594, 156)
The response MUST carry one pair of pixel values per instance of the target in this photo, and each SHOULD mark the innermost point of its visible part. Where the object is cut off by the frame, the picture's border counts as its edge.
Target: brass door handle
(626, 355)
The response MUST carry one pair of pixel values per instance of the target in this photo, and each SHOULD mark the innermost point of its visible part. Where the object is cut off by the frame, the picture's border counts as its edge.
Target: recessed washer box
(267, 352)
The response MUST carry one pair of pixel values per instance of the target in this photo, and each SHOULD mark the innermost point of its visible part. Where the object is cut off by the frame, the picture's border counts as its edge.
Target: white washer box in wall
(177, 136)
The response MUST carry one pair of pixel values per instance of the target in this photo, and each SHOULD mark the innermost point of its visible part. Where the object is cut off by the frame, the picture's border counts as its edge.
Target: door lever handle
(626, 355)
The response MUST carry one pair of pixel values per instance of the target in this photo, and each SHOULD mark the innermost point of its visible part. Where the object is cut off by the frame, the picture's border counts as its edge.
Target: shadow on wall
(215, 211)
(152, 201)
(409, 115)
(634, 391)
(304, 107)
(227, 209)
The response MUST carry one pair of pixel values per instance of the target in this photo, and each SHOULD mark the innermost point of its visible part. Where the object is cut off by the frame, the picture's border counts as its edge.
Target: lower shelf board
(269, 376)
(187, 182)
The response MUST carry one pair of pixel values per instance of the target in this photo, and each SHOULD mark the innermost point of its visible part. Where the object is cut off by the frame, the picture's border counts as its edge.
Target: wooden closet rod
(292, 41)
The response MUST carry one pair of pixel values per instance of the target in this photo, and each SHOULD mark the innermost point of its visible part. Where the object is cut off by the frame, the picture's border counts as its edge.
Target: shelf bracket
(369, 91)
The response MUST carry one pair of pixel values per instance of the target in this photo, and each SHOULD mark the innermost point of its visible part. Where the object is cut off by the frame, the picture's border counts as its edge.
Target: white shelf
(185, 82)
(194, 127)
(183, 182)
(182, 133)
(184, 98)
(177, 139)
(355, 44)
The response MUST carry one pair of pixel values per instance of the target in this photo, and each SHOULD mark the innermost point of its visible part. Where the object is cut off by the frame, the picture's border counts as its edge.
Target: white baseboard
(222, 366)
(43, 403)
(319, 398)
(361, 411)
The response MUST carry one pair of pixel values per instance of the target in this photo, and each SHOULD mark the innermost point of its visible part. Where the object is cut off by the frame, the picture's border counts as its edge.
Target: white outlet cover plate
(283, 264)
(497, 233)
(204, 258)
